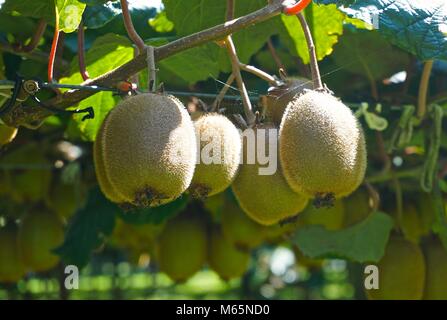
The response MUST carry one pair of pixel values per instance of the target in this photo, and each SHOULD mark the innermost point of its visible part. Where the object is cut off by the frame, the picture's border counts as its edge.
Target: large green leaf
(70, 14)
(88, 229)
(326, 24)
(369, 54)
(107, 53)
(31, 8)
(414, 25)
(99, 15)
(364, 242)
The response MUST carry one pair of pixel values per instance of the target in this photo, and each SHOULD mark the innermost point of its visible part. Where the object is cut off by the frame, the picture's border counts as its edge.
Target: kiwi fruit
(27, 173)
(7, 134)
(241, 231)
(11, 265)
(40, 232)
(214, 205)
(322, 147)
(220, 142)
(267, 199)
(182, 246)
(357, 207)
(224, 258)
(278, 97)
(145, 151)
(65, 199)
(135, 239)
(401, 272)
(331, 218)
(436, 275)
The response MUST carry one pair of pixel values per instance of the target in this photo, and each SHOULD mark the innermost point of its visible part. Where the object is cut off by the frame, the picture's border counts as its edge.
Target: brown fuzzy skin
(267, 199)
(322, 146)
(216, 133)
(147, 151)
(278, 97)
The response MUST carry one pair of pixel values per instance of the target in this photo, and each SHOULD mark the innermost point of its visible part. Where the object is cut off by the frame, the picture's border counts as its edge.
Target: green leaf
(101, 14)
(87, 229)
(364, 242)
(155, 215)
(415, 26)
(70, 14)
(161, 23)
(326, 24)
(369, 54)
(96, 2)
(107, 53)
(31, 8)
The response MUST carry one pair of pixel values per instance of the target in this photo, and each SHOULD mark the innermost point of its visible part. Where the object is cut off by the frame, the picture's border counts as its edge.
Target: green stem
(423, 89)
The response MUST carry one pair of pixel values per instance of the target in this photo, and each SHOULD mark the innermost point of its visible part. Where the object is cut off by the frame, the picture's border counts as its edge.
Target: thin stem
(374, 194)
(81, 53)
(399, 199)
(275, 55)
(222, 93)
(235, 63)
(384, 156)
(423, 89)
(259, 73)
(240, 82)
(40, 30)
(316, 77)
(387, 176)
(133, 35)
(52, 55)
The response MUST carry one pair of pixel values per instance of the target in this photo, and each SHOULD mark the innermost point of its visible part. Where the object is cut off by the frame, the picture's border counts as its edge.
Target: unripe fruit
(214, 205)
(267, 199)
(322, 147)
(7, 134)
(220, 152)
(40, 233)
(182, 247)
(330, 218)
(436, 275)
(11, 265)
(145, 152)
(278, 97)
(225, 259)
(65, 199)
(238, 228)
(402, 272)
(28, 173)
(357, 207)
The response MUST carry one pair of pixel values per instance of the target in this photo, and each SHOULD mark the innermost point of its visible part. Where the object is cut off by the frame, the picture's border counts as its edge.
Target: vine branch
(81, 52)
(235, 63)
(40, 30)
(133, 35)
(423, 89)
(316, 77)
(30, 115)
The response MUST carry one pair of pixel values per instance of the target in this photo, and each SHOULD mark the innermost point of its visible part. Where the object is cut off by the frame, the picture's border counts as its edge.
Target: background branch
(81, 53)
(423, 89)
(40, 30)
(29, 116)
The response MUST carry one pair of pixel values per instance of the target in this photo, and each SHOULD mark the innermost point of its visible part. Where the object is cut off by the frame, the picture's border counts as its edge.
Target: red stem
(297, 8)
(52, 56)
(133, 35)
(81, 53)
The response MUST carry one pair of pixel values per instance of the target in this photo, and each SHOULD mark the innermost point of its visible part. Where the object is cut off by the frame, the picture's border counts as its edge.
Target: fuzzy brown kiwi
(145, 154)
(267, 199)
(220, 142)
(322, 147)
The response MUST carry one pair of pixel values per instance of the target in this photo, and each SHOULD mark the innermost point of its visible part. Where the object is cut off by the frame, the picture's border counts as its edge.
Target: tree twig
(30, 116)
(248, 109)
(133, 35)
(222, 93)
(40, 30)
(275, 55)
(259, 73)
(81, 53)
(423, 89)
(316, 77)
